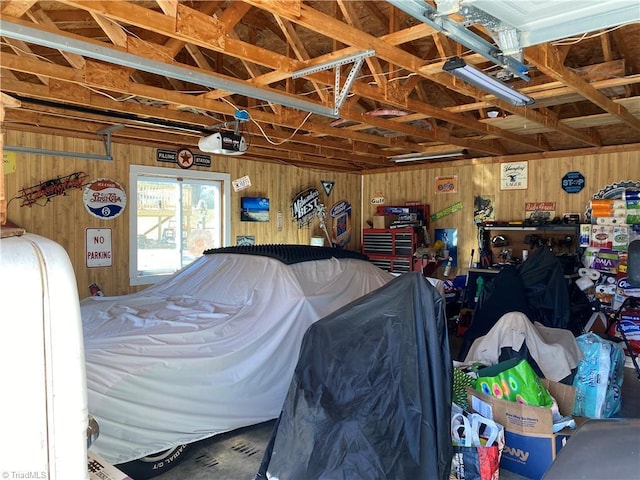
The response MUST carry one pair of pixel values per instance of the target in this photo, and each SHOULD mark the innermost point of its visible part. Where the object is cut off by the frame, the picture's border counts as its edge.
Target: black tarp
(536, 288)
(505, 293)
(547, 289)
(371, 393)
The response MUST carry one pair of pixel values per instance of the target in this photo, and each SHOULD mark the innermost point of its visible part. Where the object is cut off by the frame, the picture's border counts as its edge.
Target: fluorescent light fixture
(458, 68)
(416, 157)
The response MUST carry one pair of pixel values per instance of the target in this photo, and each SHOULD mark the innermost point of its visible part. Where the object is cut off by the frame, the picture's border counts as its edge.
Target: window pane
(176, 218)
(201, 218)
(157, 226)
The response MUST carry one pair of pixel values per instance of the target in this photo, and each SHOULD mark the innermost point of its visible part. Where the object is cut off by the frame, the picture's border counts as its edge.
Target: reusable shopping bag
(513, 380)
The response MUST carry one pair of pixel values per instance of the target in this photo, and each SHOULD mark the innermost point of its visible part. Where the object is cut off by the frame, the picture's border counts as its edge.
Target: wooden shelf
(561, 239)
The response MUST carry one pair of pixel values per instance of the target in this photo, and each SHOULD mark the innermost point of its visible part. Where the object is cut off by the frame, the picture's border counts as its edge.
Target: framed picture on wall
(243, 240)
(254, 209)
(514, 176)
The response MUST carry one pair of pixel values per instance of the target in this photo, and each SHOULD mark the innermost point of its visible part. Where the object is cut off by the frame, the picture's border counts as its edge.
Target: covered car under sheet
(371, 394)
(213, 347)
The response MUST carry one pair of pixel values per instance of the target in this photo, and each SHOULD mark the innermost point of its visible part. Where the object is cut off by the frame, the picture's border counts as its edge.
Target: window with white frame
(174, 216)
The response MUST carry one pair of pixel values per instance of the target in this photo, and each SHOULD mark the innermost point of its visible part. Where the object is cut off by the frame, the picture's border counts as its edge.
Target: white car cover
(208, 350)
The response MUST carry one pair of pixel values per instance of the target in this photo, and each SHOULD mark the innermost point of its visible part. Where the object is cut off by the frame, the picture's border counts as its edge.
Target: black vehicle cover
(537, 288)
(547, 289)
(371, 394)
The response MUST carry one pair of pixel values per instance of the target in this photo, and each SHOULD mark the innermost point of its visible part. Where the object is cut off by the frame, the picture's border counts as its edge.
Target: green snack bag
(513, 380)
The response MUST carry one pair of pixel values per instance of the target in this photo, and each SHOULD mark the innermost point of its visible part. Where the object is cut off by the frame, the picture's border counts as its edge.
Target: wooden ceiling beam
(35, 120)
(157, 22)
(68, 74)
(190, 25)
(542, 116)
(203, 29)
(443, 136)
(299, 160)
(352, 19)
(75, 123)
(555, 90)
(318, 151)
(86, 78)
(23, 50)
(169, 7)
(126, 15)
(16, 8)
(323, 24)
(547, 59)
(299, 50)
(40, 17)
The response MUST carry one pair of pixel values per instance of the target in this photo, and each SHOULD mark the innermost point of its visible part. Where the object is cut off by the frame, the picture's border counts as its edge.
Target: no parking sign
(98, 247)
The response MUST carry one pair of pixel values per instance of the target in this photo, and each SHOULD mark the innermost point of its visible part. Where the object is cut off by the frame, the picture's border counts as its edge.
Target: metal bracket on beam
(106, 139)
(424, 12)
(333, 63)
(340, 92)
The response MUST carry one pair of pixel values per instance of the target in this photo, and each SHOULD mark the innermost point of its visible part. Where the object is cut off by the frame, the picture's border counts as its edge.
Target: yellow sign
(8, 162)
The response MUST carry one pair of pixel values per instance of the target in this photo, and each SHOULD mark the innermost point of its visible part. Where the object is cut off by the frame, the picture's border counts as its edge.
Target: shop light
(458, 68)
(416, 157)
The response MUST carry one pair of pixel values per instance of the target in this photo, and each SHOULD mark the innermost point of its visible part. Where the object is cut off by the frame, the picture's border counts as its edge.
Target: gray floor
(231, 456)
(237, 455)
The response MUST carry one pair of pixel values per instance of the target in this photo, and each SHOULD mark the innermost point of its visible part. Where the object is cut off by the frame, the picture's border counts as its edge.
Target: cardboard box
(100, 469)
(382, 221)
(530, 444)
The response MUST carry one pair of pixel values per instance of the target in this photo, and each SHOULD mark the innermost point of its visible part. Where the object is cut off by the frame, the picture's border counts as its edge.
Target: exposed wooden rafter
(586, 92)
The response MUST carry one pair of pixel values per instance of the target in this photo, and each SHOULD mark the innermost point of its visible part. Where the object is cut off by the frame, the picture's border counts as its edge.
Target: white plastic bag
(477, 447)
(475, 430)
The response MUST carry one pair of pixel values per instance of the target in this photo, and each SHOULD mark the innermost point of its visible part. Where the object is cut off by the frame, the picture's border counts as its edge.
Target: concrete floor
(231, 456)
(237, 455)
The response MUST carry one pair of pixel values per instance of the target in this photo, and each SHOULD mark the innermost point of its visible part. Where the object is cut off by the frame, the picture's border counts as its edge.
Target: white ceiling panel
(541, 21)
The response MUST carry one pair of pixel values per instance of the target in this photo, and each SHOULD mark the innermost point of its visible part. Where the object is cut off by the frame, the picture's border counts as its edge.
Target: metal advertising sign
(104, 198)
(241, 183)
(341, 223)
(327, 186)
(541, 211)
(573, 182)
(183, 158)
(447, 184)
(514, 176)
(304, 206)
(446, 211)
(378, 199)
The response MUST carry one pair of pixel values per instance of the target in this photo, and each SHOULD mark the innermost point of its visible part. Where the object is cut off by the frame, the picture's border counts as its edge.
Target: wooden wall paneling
(544, 184)
(3, 197)
(64, 219)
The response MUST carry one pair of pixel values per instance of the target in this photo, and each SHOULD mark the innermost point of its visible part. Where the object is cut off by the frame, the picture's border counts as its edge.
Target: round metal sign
(104, 198)
(185, 158)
